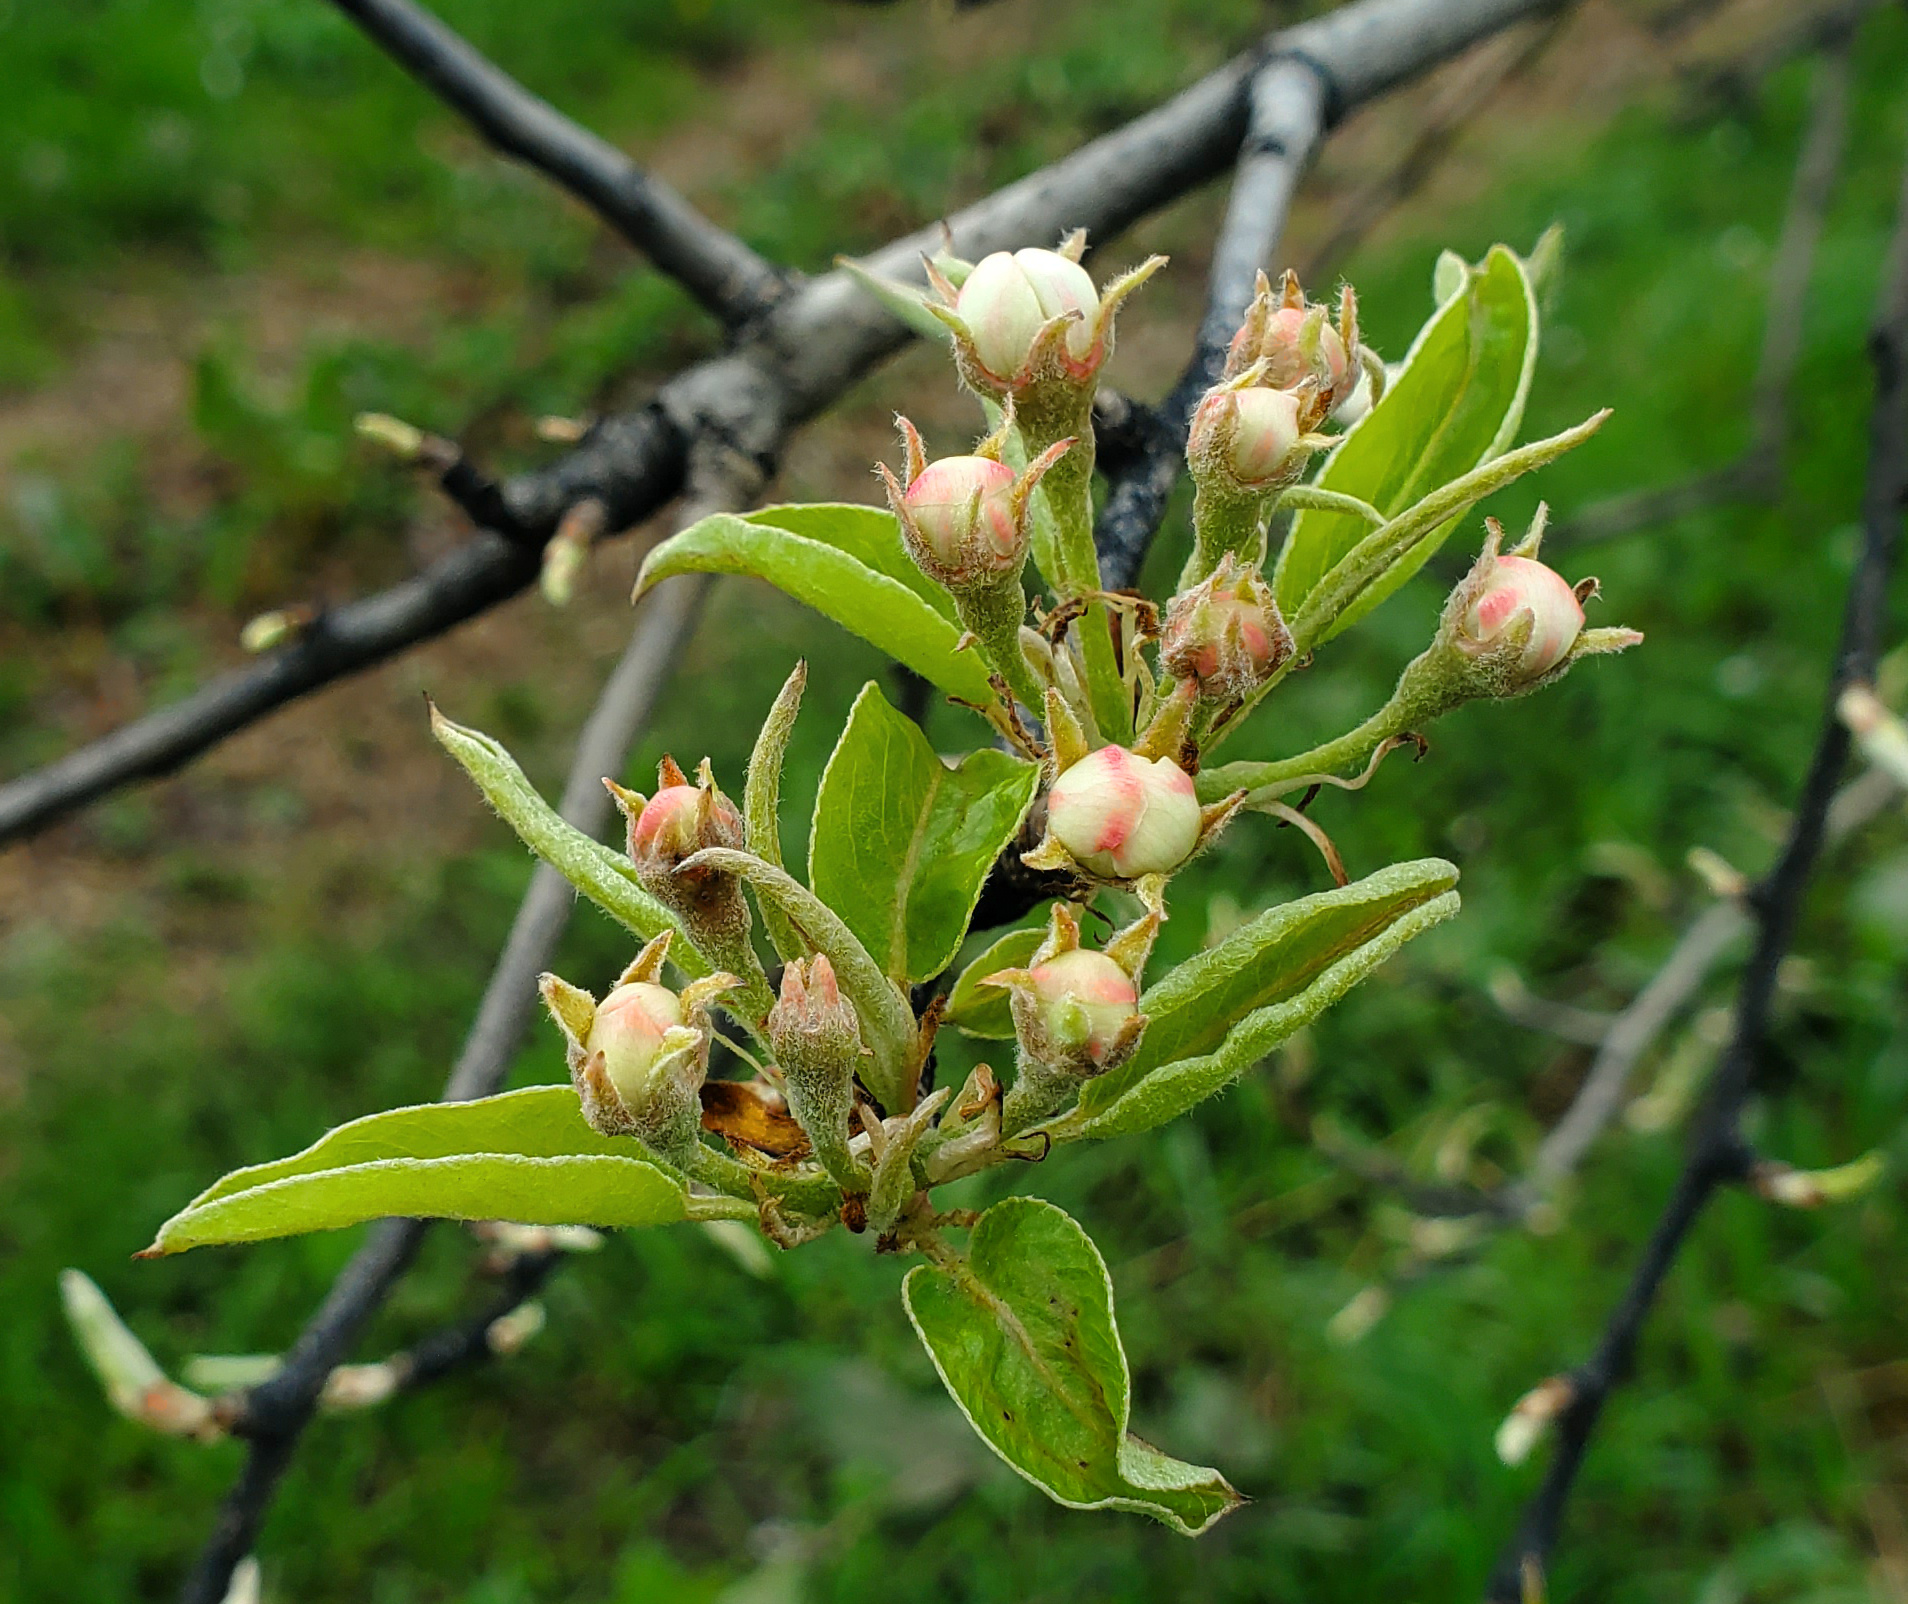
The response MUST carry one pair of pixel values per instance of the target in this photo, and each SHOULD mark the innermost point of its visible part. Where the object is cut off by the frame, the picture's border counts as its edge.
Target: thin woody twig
(789, 365)
(273, 1416)
(1718, 1153)
(1291, 102)
(713, 265)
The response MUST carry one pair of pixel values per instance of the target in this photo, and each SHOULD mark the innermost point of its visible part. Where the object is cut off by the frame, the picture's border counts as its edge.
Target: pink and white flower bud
(1085, 1001)
(1518, 585)
(628, 1031)
(679, 821)
(964, 535)
(1120, 815)
(1226, 634)
(1010, 295)
(1251, 437)
(1283, 353)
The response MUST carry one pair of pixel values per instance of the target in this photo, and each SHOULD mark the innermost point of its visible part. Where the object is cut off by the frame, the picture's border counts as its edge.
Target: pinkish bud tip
(628, 1031)
(963, 508)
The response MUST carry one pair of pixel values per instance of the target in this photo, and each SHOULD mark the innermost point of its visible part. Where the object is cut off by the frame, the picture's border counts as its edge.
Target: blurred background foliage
(227, 226)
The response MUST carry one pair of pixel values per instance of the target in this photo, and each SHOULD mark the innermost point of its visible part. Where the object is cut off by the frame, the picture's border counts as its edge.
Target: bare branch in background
(711, 264)
(1718, 1153)
(1291, 102)
(784, 368)
(1433, 137)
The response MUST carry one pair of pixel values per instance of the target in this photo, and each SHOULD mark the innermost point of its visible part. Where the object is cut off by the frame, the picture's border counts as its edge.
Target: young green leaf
(605, 877)
(526, 1155)
(901, 842)
(1023, 1336)
(881, 610)
(1213, 1017)
(1457, 403)
(979, 1010)
(868, 534)
(762, 802)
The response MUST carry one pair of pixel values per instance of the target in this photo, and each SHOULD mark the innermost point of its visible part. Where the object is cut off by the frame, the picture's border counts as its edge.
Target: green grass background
(685, 1430)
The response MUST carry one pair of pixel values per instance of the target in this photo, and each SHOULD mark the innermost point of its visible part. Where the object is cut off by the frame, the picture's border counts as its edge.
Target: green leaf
(604, 876)
(1213, 1017)
(1457, 403)
(527, 1155)
(983, 1010)
(1023, 1336)
(868, 534)
(762, 802)
(901, 842)
(882, 610)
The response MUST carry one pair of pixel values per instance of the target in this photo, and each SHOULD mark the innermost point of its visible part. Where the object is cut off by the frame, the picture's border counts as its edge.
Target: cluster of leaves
(1087, 793)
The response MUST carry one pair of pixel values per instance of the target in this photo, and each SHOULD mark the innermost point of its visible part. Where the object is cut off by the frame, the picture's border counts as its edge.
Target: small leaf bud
(1121, 816)
(1226, 634)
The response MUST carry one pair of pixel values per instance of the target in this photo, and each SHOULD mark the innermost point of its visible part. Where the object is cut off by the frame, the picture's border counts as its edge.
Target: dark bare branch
(809, 348)
(1718, 1153)
(1290, 101)
(712, 264)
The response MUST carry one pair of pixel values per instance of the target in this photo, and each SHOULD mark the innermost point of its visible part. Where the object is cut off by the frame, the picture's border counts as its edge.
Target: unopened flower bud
(1518, 587)
(670, 827)
(628, 1031)
(1226, 634)
(963, 508)
(1121, 816)
(1076, 1014)
(1248, 437)
(817, 1041)
(1295, 346)
(638, 1058)
(679, 821)
(1281, 349)
(1010, 296)
(1085, 1000)
(1030, 324)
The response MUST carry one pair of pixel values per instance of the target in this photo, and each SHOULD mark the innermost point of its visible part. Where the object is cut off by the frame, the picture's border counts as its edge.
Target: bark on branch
(709, 262)
(782, 370)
